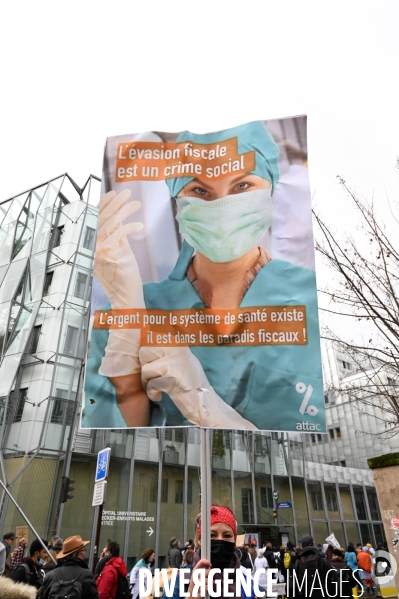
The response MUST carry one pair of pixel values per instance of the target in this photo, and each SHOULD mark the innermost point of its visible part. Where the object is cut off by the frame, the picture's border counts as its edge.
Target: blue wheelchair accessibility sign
(102, 464)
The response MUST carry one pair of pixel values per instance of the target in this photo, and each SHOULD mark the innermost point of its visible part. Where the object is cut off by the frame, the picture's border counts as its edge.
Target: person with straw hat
(72, 574)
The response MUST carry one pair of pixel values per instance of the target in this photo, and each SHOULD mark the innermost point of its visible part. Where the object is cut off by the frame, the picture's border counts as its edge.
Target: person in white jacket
(261, 562)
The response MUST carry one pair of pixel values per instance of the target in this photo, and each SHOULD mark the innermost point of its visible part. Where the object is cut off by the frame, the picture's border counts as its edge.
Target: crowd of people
(59, 568)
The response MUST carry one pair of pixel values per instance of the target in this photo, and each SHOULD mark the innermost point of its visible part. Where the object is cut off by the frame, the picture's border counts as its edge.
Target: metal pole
(130, 493)
(27, 521)
(98, 533)
(205, 493)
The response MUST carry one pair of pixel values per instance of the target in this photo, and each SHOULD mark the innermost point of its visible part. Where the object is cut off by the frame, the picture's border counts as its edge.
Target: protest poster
(204, 306)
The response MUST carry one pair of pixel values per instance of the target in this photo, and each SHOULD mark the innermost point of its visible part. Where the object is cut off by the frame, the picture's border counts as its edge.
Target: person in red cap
(72, 575)
(223, 542)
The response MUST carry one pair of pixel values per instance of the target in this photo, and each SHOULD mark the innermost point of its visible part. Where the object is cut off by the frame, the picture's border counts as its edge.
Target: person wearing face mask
(146, 561)
(223, 555)
(29, 570)
(222, 265)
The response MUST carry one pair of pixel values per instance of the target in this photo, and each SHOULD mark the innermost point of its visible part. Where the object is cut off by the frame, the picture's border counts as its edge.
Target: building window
(23, 393)
(266, 497)
(359, 502)
(313, 438)
(373, 505)
(71, 338)
(319, 438)
(35, 338)
(179, 435)
(346, 365)
(331, 500)
(179, 490)
(337, 432)
(47, 282)
(80, 285)
(90, 237)
(57, 236)
(343, 463)
(317, 501)
(61, 409)
(331, 431)
(168, 434)
(154, 490)
(247, 506)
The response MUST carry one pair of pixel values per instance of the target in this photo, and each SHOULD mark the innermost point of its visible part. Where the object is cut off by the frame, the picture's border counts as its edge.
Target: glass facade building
(46, 261)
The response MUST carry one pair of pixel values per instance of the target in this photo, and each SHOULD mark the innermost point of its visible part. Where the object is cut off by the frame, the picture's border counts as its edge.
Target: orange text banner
(157, 161)
(266, 325)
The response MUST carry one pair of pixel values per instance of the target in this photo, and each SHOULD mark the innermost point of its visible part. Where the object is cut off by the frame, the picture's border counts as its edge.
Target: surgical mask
(221, 553)
(226, 228)
(40, 562)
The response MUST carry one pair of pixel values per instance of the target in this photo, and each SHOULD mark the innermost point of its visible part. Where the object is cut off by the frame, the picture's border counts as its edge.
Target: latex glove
(116, 268)
(177, 372)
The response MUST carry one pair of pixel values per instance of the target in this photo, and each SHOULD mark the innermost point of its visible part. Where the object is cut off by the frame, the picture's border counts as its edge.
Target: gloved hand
(116, 269)
(177, 372)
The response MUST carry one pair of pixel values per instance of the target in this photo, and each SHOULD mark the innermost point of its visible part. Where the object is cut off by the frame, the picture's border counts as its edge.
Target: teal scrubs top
(257, 381)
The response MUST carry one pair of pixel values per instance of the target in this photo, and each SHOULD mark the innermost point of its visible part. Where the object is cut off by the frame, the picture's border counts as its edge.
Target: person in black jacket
(320, 582)
(73, 567)
(29, 570)
(174, 554)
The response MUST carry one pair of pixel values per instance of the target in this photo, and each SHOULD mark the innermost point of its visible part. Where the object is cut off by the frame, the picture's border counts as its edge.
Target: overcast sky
(74, 73)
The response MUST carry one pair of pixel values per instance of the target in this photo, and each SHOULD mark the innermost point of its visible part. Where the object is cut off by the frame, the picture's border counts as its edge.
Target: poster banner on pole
(204, 306)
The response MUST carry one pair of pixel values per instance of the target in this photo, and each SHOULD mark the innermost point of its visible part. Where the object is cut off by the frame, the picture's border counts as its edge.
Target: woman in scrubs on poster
(222, 266)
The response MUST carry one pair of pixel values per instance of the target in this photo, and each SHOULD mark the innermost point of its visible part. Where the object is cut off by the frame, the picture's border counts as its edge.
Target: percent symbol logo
(305, 408)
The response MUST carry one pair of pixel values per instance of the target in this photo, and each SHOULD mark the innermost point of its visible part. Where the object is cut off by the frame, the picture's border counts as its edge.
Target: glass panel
(138, 537)
(320, 532)
(37, 267)
(379, 533)
(352, 532)
(6, 242)
(338, 530)
(71, 338)
(301, 512)
(278, 448)
(346, 501)
(331, 501)
(315, 500)
(366, 534)
(89, 238)
(12, 280)
(8, 370)
(42, 230)
(373, 504)
(20, 341)
(23, 393)
(240, 456)
(4, 207)
(296, 455)
(284, 515)
(80, 285)
(15, 208)
(4, 312)
(51, 193)
(360, 504)
(247, 505)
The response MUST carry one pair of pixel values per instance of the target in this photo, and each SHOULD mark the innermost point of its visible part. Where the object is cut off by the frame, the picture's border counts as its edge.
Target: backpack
(287, 560)
(277, 560)
(66, 589)
(28, 573)
(123, 591)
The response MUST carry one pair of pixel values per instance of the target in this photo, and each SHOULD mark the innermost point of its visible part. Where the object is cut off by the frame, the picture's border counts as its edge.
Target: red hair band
(221, 514)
